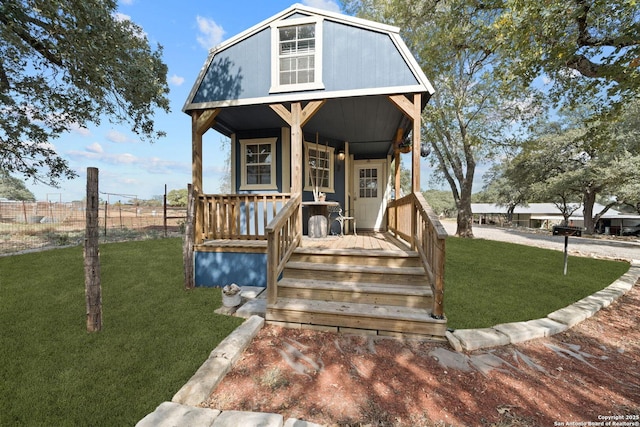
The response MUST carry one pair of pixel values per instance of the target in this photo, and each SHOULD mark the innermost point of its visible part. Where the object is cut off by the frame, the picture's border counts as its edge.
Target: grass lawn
(488, 282)
(155, 335)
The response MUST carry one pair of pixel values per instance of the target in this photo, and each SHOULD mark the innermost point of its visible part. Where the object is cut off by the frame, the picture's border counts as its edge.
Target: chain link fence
(33, 225)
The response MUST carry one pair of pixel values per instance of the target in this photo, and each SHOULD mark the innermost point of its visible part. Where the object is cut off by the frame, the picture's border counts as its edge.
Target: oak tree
(473, 112)
(70, 63)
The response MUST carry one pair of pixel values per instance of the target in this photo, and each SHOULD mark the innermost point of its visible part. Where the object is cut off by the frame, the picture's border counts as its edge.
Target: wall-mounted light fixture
(341, 154)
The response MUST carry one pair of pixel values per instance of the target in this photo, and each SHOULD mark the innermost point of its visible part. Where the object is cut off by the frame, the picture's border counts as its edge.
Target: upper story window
(296, 55)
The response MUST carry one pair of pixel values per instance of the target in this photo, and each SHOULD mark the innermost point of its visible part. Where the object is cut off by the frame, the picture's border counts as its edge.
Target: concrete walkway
(183, 410)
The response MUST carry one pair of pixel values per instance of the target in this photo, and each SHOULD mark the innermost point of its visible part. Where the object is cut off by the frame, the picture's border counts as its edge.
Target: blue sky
(186, 30)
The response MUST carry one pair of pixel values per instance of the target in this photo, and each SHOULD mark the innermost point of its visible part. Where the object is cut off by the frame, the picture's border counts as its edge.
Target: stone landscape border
(182, 410)
(556, 322)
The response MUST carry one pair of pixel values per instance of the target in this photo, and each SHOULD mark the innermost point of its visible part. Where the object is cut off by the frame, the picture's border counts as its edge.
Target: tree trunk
(510, 209)
(465, 215)
(588, 200)
(93, 291)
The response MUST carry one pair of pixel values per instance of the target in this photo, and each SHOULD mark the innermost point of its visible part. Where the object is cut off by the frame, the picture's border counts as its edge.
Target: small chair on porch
(335, 214)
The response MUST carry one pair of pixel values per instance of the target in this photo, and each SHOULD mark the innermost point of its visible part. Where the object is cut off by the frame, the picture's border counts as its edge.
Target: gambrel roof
(360, 63)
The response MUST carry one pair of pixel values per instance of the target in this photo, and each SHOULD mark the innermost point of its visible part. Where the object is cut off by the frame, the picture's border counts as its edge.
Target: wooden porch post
(196, 154)
(201, 121)
(196, 179)
(296, 148)
(415, 154)
(396, 159)
(412, 110)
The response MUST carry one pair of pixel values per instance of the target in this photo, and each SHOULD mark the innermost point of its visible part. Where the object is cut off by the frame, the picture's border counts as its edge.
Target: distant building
(546, 215)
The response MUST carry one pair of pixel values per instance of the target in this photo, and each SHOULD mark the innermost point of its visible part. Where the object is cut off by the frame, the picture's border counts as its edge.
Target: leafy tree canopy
(574, 163)
(66, 63)
(14, 189)
(178, 197)
(589, 49)
(441, 202)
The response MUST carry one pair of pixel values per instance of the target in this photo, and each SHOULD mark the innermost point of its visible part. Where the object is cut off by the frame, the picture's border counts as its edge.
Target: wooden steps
(359, 292)
(383, 319)
(382, 292)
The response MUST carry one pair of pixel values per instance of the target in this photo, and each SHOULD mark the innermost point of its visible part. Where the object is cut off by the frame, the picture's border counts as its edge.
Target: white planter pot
(231, 300)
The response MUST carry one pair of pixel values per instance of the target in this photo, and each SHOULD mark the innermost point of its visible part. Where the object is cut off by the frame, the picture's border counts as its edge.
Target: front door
(369, 188)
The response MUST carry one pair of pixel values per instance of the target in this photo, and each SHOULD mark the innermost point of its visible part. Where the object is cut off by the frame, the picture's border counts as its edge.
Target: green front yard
(155, 335)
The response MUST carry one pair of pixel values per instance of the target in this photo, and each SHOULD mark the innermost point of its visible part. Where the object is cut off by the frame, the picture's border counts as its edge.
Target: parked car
(633, 230)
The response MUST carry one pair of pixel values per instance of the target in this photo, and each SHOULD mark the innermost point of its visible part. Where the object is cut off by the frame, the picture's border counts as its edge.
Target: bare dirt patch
(583, 375)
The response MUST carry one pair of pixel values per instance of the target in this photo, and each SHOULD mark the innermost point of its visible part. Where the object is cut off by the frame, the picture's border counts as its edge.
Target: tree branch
(590, 69)
(4, 79)
(18, 28)
(586, 40)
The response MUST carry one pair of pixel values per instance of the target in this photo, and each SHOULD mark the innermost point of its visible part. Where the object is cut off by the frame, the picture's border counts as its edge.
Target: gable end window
(296, 55)
(258, 164)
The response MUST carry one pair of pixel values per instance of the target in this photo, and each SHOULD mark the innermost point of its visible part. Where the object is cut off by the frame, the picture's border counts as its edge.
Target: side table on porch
(318, 212)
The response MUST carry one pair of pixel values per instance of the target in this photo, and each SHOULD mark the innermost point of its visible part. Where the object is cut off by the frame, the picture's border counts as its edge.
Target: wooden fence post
(187, 245)
(93, 290)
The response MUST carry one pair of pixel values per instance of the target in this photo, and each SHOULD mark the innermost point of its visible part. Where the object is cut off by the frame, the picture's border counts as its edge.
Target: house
(546, 215)
(312, 102)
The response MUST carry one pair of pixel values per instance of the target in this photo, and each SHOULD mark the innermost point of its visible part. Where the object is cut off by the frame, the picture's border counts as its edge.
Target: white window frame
(275, 55)
(308, 183)
(273, 185)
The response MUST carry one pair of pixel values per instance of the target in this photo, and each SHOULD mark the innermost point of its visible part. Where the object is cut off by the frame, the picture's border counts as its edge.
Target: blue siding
(241, 71)
(221, 269)
(354, 58)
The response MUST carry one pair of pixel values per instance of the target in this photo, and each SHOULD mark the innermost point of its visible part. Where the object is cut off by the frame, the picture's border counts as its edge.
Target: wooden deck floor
(363, 241)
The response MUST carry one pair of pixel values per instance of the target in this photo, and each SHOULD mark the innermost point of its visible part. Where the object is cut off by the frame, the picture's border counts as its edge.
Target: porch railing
(411, 219)
(236, 216)
(284, 234)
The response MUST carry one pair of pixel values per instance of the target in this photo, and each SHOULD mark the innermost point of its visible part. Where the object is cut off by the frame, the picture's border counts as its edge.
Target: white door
(368, 194)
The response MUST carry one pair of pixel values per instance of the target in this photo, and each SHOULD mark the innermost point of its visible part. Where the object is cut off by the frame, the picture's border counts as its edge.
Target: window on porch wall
(258, 164)
(320, 167)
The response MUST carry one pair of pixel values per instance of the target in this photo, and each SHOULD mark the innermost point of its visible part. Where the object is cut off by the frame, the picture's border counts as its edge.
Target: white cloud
(127, 2)
(76, 128)
(211, 33)
(329, 5)
(176, 80)
(124, 158)
(118, 137)
(95, 148)
(152, 165)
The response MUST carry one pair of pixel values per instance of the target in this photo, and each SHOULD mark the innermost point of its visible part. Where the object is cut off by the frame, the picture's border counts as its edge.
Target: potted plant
(405, 145)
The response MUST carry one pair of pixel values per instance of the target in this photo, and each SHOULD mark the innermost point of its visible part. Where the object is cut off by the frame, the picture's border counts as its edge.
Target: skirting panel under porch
(218, 269)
